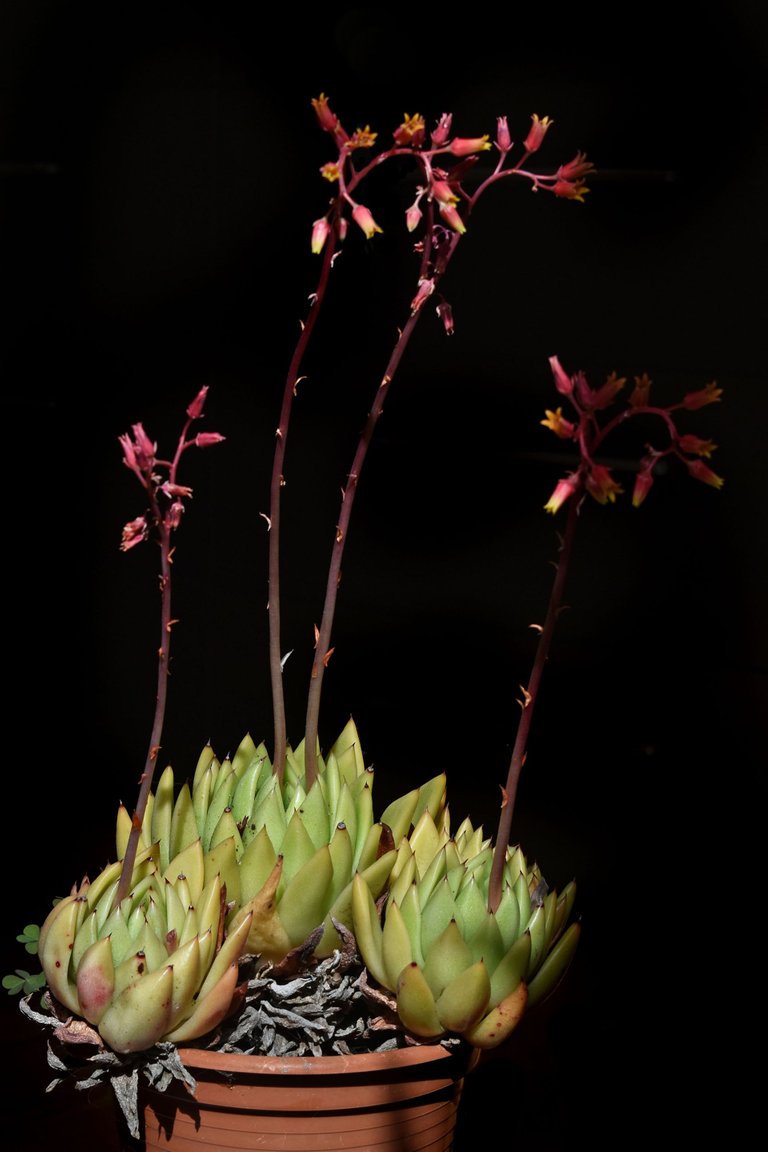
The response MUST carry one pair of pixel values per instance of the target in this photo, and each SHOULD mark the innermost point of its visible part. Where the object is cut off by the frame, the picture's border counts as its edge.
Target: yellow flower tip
(411, 131)
(362, 138)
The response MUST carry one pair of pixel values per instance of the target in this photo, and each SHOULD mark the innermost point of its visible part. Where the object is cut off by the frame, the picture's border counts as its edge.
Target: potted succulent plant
(263, 926)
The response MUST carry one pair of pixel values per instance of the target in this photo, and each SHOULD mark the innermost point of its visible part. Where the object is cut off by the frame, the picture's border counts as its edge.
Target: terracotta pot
(399, 1101)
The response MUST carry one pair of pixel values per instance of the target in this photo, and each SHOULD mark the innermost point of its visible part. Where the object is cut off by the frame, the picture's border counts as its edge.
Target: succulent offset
(453, 965)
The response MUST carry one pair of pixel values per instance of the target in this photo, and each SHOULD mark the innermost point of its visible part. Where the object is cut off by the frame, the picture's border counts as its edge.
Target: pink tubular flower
(442, 130)
(139, 452)
(206, 439)
(707, 395)
(327, 119)
(694, 444)
(700, 471)
(173, 519)
(576, 169)
(179, 490)
(410, 132)
(563, 381)
(413, 217)
(503, 138)
(564, 490)
(584, 394)
(600, 484)
(443, 192)
(445, 312)
(145, 449)
(129, 456)
(133, 533)
(425, 290)
(320, 230)
(466, 146)
(561, 427)
(641, 391)
(362, 138)
(607, 394)
(570, 190)
(195, 409)
(643, 482)
(536, 133)
(452, 218)
(363, 218)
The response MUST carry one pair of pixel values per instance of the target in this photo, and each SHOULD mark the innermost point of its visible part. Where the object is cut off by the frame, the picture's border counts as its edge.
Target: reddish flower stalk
(165, 496)
(330, 239)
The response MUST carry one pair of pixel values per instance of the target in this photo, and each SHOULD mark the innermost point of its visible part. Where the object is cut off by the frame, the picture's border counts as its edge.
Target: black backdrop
(158, 182)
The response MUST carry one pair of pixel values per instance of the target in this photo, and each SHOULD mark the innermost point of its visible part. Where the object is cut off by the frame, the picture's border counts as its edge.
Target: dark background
(158, 183)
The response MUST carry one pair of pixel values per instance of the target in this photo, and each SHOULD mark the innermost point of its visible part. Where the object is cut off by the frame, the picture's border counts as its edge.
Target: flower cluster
(159, 477)
(441, 188)
(589, 434)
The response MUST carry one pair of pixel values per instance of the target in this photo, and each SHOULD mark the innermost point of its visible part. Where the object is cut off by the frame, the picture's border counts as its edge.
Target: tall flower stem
(528, 703)
(276, 487)
(163, 658)
(437, 256)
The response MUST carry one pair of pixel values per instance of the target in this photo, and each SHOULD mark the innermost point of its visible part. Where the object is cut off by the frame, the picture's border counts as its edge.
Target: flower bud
(195, 409)
(442, 131)
(466, 146)
(562, 379)
(206, 439)
(425, 290)
(320, 230)
(173, 519)
(445, 312)
(700, 471)
(452, 218)
(643, 483)
(503, 139)
(443, 192)
(413, 217)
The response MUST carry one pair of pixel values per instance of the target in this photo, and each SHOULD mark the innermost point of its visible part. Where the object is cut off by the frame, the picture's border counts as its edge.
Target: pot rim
(260, 1064)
